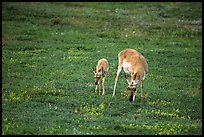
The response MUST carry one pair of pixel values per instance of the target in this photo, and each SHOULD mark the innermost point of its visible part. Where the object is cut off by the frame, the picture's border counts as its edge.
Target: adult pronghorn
(135, 64)
(101, 71)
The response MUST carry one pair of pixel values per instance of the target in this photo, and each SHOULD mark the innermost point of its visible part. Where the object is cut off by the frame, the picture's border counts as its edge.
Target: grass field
(49, 50)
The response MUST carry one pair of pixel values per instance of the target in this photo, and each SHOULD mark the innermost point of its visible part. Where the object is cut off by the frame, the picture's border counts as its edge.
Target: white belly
(126, 67)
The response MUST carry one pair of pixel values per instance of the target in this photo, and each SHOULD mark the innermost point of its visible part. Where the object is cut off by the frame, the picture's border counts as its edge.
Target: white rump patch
(126, 66)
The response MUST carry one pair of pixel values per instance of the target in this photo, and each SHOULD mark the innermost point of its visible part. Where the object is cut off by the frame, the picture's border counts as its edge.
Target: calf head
(97, 76)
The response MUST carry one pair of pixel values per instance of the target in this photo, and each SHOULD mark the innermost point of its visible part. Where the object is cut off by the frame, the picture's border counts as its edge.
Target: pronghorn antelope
(135, 64)
(101, 71)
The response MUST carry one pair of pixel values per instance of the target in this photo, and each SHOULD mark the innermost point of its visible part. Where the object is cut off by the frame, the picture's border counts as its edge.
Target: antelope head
(132, 87)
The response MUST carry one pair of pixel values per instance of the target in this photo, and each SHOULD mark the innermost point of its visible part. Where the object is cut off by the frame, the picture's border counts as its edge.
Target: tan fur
(101, 71)
(138, 66)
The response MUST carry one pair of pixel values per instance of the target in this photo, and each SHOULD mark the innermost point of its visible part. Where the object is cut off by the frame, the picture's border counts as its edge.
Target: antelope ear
(135, 76)
(128, 81)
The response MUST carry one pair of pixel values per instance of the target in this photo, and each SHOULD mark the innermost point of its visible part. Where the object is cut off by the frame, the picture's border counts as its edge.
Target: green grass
(49, 50)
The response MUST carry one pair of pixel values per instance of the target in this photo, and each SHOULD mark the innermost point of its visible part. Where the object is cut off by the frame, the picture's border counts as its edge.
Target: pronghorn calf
(135, 64)
(101, 71)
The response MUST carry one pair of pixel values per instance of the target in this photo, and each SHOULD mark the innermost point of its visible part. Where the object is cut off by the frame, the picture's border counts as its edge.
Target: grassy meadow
(50, 49)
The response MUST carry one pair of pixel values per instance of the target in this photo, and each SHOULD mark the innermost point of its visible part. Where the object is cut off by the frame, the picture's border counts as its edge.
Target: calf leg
(103, 88)
(97, 89)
